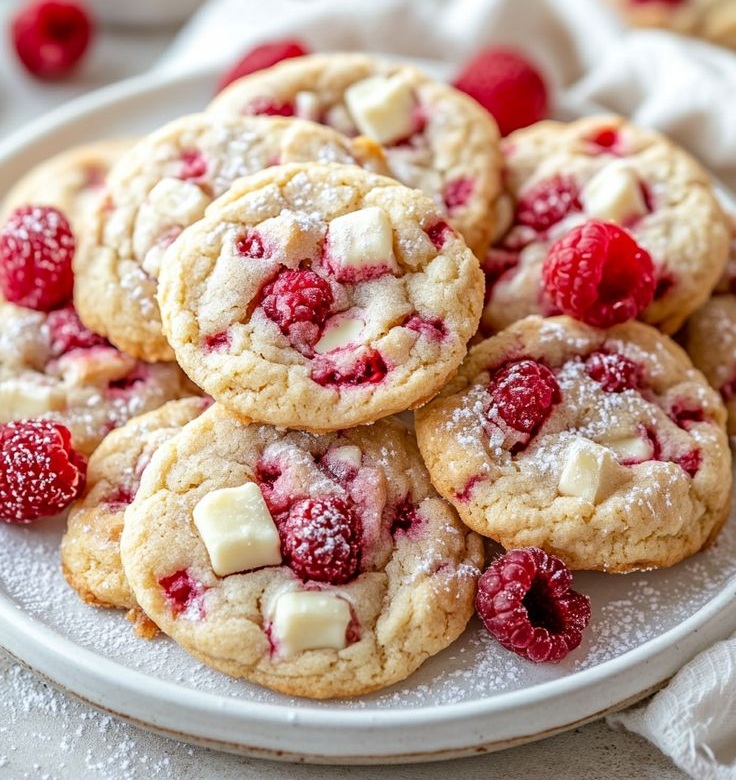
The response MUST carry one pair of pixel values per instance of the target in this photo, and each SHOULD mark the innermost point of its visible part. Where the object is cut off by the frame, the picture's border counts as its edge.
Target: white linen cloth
(685, 88)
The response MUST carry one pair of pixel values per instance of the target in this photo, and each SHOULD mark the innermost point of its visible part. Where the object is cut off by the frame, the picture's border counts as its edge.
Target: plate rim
(91, 675)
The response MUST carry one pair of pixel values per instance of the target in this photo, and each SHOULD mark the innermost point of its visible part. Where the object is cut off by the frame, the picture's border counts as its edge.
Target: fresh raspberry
(261, 57)
(36, 251)
(369, 369)
(507, 85)
(522, 395)
(193, 165)
(51, 36)
(614, 371)
(548, 202)
(525, 600)
(40, 472)
(67, 332)
(298, 302)
(597, 273)
(184, 593)
(320, 540)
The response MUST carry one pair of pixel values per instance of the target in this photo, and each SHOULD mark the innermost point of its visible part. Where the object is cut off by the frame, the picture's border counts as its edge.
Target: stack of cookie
(315, 253)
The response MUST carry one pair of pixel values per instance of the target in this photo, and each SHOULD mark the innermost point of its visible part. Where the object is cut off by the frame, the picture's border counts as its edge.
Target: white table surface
(47, 735)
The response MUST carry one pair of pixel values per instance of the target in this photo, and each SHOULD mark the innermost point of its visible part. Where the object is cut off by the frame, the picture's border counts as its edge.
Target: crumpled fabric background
(685, 88)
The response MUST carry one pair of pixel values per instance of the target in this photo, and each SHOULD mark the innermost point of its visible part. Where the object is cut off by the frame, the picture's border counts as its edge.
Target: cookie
(560, 175)
(436, 138)
(71, 181)
(714, 20)
(320, 566)
(709, 337)
(52, 366)
(163, 185)
(320, 297)
(605, 448)
(90, 547)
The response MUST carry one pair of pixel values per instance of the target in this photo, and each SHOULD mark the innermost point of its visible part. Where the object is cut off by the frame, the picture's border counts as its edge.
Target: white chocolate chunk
(338, 332)
(614, 193)
(289, 240)
(98, 366)
(591, 472)
(181, 201)
(307, 105)
(237, 529)
(631, 448)
(309, 620)
(348, 453)
(382, 107)
(362, 239)
(22, 400)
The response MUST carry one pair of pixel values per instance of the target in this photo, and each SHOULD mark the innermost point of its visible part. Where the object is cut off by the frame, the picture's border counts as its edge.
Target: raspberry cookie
(318, 566)
(605, 448)
(603, 168)
(163, 185)
(709, 337)
(71, 181)
(52, 366)
(90, 548)
(436, 138)
(714, 20)
(320, 297)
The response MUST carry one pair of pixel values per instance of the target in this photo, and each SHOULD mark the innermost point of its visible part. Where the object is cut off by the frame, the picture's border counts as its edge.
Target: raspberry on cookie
(436, 138)
(320, 566)
(603, 447)
(90, 547)
(664, 224)
(162, 186)
(320, 297)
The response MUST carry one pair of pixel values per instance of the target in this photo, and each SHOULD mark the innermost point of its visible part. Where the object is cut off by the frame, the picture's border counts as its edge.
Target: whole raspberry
(507, 85)
(524, 599)
(67, 332)
(36, 251)
(40, 472)
(614, 371)
(297, 296)
(263, 56)
(522, 395)
(548, 202)
(51, 36)
(320, 540)
(597, 273)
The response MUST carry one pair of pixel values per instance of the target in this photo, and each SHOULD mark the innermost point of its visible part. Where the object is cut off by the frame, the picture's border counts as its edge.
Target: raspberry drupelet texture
(67, 332)
(51, 36)
(525, 600)
(40, 472)
(548, 202)
(263, 56)
(36, 251)
(507, 85)
(320, 540)
(614, 372)
(522, 396)
(597, 273)
(299, 303)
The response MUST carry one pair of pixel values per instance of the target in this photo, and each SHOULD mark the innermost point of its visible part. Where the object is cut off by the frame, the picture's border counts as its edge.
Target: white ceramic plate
(473, 697)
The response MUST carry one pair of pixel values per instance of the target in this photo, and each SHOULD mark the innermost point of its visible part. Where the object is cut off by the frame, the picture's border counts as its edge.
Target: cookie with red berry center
(90, 547)
(164, 184)
(709, 337)
(319, 297)
(714, 20)
(603, 447)
(70, 181)
(51, 366)
(436, 138)
(318, 566)
(671, 236)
